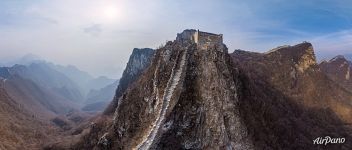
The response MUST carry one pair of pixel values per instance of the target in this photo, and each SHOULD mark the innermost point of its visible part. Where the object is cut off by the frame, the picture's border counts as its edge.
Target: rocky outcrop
(286, 97)
(301, 55)
(139, 60)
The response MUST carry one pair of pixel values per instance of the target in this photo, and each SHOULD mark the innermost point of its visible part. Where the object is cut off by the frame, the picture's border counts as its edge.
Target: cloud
(25, 15)
(93, 30)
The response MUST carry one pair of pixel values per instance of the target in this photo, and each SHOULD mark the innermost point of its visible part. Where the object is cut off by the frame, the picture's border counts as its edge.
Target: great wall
(202, 39)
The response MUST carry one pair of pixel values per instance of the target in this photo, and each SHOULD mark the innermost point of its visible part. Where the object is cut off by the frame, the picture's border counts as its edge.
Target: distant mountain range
(348, 56)
(84, 80)
(24, 60)
(30, 90)
(40, 100)
(98, 100)
(67, 81)
(339, 70)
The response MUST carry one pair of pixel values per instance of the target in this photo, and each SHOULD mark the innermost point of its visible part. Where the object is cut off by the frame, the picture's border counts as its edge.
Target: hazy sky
(98, 36)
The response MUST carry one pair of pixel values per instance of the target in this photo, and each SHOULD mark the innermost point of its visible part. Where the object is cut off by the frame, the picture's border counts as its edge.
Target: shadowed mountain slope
(20, 128)
(294, 72)
(286, 97)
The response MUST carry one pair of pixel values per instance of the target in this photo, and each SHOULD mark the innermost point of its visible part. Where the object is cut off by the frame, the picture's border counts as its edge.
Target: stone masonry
(202, 39)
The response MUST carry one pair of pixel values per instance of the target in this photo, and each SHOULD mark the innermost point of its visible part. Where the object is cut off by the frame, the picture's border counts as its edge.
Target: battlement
(202, 39)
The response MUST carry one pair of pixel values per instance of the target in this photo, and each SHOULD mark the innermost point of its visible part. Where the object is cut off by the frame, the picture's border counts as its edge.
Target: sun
(110, 13)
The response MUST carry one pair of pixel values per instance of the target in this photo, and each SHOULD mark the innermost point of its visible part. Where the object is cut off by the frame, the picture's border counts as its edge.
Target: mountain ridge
(299, 78)
(338, 69)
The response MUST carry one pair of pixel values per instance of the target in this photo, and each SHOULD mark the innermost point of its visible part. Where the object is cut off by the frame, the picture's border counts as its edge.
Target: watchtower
(202, 39)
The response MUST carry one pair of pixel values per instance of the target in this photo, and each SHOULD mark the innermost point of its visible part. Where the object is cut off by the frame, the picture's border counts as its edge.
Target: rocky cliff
(139, 60)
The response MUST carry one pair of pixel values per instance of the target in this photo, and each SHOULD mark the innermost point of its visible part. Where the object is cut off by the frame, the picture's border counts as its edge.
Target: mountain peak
(301, 54)
(338, 69)
(139, 60)
(295, 50)
(339, 58)
(29, 58)
(338, 61)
